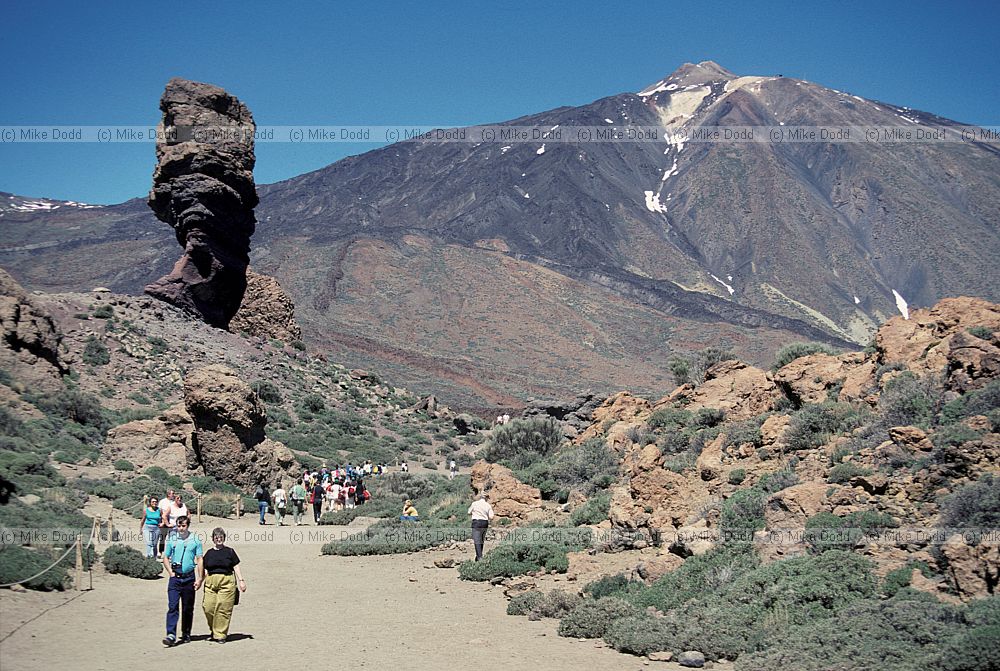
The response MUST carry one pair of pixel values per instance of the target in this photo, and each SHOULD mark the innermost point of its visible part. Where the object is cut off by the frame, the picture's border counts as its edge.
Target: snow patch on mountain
(653, 203)
(728, 288)
(901, 305)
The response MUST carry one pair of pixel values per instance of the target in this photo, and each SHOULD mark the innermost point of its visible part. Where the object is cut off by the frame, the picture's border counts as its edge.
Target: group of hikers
(325, 489)
(159, 520)
(189, 568)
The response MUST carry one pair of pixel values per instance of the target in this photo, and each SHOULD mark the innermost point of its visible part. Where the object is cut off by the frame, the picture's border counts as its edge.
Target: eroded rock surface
(203, 187)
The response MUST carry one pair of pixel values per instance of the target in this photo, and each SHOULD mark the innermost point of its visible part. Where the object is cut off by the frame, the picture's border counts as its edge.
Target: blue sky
(443, 64)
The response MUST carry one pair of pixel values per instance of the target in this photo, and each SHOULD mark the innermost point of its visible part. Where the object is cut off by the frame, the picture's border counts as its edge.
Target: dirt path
(388, 612)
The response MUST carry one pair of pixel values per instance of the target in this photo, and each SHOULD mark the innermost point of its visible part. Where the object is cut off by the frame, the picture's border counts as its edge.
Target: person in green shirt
(298, 503)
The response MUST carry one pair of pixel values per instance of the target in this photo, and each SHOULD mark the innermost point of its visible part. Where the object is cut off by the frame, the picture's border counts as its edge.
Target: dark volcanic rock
(203, 187)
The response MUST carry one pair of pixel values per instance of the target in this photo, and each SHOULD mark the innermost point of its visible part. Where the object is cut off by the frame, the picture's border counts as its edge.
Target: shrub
(521, 442)
(771, 483)
(18, 563)
(299, 345)
(793, 351)
(900, 633)
(981, 332)
(737, 476)
(826, 531)
(556, 603)
(104, 312)
(698, 577)
(124, 465)
(669, 419)
(974, 506)
(843, 472)
(954, 435)
(594, 511)
(709, 417)
(813, 425)
(745, 432)
(908, 399)
(206, 484)
(638, 635)
(267, 391)
(591, 619)
(742, 514)
(95, 353)
(157, 345)
(612, 585)
(216, 506)
(899, 578)
(589, 467)
(680, 369)
(129, 561)
(313, 403)
(509, 560)
(524, 603)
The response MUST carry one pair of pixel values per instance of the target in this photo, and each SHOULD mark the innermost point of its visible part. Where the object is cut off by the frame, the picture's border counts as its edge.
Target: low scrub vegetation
(130, 562)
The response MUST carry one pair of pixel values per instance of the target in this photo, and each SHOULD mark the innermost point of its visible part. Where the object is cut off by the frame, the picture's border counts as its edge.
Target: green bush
(698, 577)
(737, 476)
(594, 511)
(843, 472)
(104, 312)
(826, 531)
(524, 603)
(556, 603)
(902, 633)
(95, 353)
(267, 391)
(742, 514)
(124, 465)
(974, 506)
(521, 442)
(669, 419)
(978, 402)
(157, 345)
(793, 351)
(18, 563)
(638, 634)
(130, 562)
(814, 425)
(954, 435)
(591, 619)
(389, 537)
(771, 483)
(206, 484)
(510, 560)
(709, 417)
(217, 506)
(981, 332)
(612, 585)
(313, 403)
(899, 578)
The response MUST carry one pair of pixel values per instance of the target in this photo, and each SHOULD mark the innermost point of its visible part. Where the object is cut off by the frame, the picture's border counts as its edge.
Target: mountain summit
(500, 270)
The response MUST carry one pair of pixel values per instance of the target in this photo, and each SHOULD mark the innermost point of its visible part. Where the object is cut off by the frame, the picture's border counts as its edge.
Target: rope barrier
(72, 547)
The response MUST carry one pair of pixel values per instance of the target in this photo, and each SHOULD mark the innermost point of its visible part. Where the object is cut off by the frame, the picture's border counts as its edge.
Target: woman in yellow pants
(222, 579)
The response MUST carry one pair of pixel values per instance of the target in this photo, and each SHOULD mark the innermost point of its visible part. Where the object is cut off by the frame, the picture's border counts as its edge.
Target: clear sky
(443, 64)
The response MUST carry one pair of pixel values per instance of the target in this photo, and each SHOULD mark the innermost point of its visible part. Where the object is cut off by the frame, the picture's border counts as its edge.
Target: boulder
(739, 389)
(29, 338)
(809, 379)
(709, 462)
(654, 568)
(692, 659)
(910, 438)
(937, 338)
(203, 187)
(973, 570)
(509, 496)
(228, 441)
(266, 311)
(622, 407)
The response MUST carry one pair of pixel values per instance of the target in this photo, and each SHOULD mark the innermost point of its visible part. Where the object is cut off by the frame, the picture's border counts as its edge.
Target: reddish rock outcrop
(509, 496)
(266, 311)
(739, 389)
(229, 441)
(29, 339)
(937, 338)
(203, 187)
(622, 407)
(974, 570)
(163, 441)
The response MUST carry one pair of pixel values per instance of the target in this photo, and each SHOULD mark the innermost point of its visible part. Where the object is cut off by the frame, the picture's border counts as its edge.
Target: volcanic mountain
(488, 272)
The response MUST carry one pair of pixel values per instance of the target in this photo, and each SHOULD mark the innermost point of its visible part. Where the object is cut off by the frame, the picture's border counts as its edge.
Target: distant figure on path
(280, 499)
(403, 468)
(151, 526)
(298, 503)
(183, 561)
(317, 495)
(482, 513)
(223, 578)
(263, 498)
(452, 470)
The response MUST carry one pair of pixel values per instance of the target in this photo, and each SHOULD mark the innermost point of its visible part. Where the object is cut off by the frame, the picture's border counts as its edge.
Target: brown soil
(384, 612)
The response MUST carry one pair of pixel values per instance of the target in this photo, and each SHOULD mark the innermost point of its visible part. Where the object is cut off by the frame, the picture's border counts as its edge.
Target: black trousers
(478, 538)
(317, 510)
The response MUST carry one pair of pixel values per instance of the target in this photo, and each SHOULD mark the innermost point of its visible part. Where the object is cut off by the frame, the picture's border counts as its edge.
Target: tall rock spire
(203, 187)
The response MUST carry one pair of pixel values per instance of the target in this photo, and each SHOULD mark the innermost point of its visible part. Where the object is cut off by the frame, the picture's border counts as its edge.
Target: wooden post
(79, 562)
(239, 501)
(199, 509)
(111, 526)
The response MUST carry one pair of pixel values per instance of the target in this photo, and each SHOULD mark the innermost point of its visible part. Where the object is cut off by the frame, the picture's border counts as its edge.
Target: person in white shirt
(176, 511)
(166, 503)
(452, 470)
(335, 499)
(280, 499)
(481, 512)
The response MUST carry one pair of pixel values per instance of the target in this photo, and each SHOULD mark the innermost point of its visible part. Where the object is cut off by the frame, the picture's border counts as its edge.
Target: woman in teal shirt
(150, 529)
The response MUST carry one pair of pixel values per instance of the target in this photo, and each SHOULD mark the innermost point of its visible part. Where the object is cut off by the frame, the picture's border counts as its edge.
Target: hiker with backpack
(298, 503)
(316, 496)
(263, 499)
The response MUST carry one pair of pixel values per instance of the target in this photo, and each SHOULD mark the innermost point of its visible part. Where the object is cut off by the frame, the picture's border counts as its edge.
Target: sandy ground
(395, 611)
